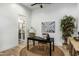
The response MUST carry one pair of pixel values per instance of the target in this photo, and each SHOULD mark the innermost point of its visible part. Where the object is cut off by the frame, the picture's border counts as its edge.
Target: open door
(21, 29)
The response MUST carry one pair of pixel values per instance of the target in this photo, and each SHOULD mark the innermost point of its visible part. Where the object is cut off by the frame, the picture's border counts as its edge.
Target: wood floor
(16, 51)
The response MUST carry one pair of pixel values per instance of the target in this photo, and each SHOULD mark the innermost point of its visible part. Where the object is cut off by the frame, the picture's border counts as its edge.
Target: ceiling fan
(40, 4)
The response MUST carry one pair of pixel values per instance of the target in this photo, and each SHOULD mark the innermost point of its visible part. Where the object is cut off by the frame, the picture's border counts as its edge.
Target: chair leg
(43, 45)
(38, 45)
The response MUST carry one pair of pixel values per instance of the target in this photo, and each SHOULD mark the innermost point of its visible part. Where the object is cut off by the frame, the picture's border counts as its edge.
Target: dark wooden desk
(40, 39)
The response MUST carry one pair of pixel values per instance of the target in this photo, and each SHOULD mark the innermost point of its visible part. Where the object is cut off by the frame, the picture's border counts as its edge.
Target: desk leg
(33, 43)
(53, 45)
(70, 49)
(50, 49)
(74, 52)
(27, 44)
(77, 53)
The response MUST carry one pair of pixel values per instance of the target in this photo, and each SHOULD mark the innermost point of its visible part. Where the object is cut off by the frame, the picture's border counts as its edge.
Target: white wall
(9, 24)
(78, 16)
(9, 21)
(20, 9)
(53, 12)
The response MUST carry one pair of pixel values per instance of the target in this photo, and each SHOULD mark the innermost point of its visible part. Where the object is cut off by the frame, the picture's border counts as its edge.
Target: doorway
(21, 29)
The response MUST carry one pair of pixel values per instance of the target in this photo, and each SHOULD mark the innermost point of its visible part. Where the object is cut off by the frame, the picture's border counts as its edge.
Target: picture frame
(48, 27)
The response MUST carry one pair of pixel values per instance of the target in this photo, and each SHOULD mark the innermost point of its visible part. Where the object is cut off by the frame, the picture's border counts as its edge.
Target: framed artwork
(48, 27)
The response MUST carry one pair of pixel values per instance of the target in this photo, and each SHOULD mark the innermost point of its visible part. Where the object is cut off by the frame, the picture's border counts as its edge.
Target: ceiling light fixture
(40, 4)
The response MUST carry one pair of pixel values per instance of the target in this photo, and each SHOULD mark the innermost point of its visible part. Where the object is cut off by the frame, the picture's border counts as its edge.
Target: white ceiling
(35, 6)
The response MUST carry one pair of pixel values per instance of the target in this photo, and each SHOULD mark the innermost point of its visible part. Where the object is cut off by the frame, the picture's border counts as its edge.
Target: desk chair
(44, 44)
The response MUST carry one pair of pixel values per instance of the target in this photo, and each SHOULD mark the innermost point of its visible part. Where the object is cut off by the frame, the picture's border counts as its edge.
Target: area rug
(41, 51)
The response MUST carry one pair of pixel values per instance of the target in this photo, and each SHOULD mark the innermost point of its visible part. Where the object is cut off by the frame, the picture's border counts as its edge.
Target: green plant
(67, 26)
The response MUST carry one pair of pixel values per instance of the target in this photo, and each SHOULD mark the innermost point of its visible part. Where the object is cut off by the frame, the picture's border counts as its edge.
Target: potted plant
(67, 27)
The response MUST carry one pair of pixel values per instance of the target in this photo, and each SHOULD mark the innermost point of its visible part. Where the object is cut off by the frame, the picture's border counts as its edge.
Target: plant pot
(65, 41)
